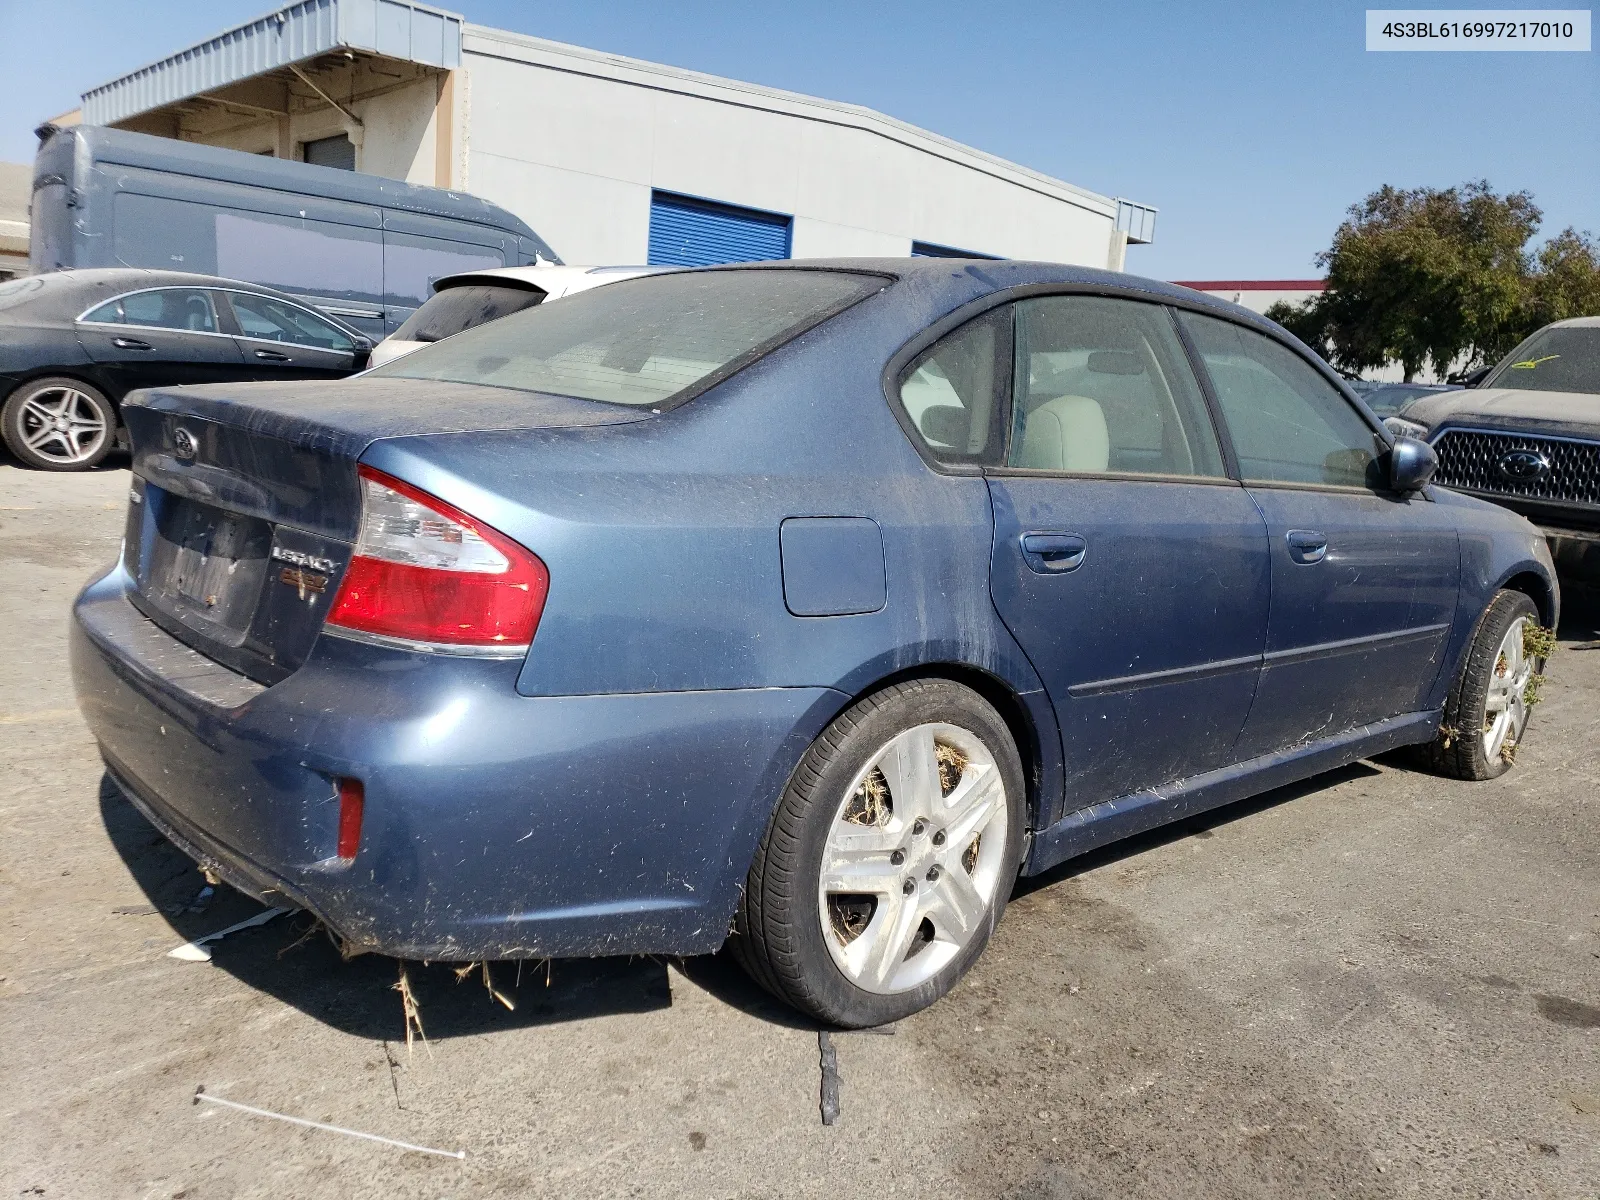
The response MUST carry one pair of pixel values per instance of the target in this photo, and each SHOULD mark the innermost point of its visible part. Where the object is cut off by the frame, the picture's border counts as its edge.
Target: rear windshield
(447, 313)
(1560, 359)
(640, 341)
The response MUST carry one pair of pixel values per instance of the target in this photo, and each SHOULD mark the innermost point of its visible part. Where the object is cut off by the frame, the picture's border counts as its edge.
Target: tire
(830, 945)
(58, 424)
(1474, 742)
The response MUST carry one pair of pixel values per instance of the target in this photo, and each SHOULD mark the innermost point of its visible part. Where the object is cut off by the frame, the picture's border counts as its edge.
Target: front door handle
(272, 356)
(122, 343)
(1307, 546)
(1053, 553)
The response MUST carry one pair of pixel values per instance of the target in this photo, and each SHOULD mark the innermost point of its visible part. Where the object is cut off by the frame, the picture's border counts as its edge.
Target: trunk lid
(245, 503)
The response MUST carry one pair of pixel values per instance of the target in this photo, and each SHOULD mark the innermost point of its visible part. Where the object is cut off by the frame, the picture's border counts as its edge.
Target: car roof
(1005, 273)
(1576, 323)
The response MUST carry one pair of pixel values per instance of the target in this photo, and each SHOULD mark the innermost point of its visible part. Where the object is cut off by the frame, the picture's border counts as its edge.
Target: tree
(1566, 283)
(1434, 276)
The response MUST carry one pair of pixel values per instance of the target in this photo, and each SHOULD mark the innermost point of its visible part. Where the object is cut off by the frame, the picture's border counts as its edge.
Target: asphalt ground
(1376, 983)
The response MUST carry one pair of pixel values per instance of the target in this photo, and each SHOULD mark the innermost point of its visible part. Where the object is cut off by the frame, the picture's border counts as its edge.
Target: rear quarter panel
(662, 537)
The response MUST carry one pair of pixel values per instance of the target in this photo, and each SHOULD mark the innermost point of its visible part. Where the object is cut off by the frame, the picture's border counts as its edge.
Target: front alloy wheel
(1486, 713)
(889, 859)
(1505, 706)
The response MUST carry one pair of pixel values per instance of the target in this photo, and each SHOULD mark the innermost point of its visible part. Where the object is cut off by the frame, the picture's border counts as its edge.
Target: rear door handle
(1306, 546)
(122, 343)
(1053, 553)
(272, 356)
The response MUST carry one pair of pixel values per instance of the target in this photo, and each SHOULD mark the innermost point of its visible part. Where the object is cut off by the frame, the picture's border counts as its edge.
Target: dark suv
(1528, 437)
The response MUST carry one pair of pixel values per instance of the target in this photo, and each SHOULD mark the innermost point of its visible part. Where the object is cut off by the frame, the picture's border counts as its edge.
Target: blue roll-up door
(685, 232)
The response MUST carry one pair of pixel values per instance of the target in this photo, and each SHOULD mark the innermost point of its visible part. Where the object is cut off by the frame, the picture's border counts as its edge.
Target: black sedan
(74, 343)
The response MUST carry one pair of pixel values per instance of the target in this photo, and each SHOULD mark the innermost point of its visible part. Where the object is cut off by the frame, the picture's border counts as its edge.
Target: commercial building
(610, 159)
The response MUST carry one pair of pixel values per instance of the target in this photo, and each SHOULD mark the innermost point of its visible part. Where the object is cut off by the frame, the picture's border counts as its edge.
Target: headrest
(1066, 434)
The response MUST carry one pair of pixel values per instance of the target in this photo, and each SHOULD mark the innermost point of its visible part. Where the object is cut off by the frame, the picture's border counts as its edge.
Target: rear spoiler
(468, 278)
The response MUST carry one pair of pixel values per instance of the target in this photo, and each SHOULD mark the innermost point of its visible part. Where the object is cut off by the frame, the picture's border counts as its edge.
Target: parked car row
(73, 344)
(811, 600)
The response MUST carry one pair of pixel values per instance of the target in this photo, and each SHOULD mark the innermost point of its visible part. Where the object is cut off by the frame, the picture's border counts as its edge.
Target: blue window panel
(685, 232)
(934, 250)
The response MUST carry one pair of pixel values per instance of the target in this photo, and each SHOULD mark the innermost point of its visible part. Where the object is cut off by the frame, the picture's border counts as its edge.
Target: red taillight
(424, 571)
(352, 800)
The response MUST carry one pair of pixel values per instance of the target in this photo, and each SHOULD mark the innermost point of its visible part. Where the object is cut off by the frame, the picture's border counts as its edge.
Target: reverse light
(427, 574)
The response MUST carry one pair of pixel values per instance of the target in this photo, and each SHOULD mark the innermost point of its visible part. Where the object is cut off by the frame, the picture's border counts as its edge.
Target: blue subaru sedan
(799, 607)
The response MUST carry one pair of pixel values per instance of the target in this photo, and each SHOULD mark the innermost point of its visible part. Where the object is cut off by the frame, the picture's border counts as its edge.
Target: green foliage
(1428, 276)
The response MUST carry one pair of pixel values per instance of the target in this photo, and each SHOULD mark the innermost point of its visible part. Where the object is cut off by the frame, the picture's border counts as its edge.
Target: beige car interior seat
(1066, 434)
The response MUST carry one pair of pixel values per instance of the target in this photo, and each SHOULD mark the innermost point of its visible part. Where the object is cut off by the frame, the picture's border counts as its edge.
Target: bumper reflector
(352, 799)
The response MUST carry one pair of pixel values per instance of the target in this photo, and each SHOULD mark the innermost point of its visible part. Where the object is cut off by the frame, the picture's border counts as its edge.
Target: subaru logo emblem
(184, 444)
(1523, 466)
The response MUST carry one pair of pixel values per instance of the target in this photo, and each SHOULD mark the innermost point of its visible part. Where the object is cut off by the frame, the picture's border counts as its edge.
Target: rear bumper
(496, 825)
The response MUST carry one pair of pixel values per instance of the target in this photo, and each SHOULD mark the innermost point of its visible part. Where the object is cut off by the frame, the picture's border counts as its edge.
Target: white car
(478, 297)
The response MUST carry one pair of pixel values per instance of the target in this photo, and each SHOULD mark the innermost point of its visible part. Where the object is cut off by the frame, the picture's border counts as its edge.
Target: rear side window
(949, 391)
(642, 341)
(1102, 386)
(184, 309)
(453, 310)
(1288, 423)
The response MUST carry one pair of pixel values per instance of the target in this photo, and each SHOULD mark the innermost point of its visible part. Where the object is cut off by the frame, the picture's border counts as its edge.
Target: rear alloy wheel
(890, 858)
(1487, 711)
(58, 425)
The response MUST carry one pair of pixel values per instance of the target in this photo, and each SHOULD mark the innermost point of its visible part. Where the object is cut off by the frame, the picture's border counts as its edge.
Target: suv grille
(1507, 464)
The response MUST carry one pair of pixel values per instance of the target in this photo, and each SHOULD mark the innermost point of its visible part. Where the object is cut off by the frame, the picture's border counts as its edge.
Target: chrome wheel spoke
(972, 804)
(887, 940)
(857, 861)
(955, 907)
(912, 769)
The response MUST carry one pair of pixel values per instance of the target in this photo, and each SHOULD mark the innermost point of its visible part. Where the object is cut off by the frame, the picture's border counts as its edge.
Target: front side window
(949, 390)
(1558, 359)
(184, 309)
(270, 320)
(1288, 423)
(1101, 386)
(643, 341)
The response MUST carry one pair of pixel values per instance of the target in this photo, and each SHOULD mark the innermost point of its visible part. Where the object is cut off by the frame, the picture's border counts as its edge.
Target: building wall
(575, 147)
(16, 187)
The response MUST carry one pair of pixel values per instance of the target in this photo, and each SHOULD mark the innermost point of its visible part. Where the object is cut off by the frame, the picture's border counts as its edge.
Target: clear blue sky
(1251, 126)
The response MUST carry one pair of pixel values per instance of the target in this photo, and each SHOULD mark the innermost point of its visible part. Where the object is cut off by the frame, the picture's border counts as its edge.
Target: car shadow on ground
(1201, 825)
(293, 960)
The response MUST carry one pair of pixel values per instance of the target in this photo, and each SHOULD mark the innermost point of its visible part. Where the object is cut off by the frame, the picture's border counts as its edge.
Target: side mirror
(1412, 463)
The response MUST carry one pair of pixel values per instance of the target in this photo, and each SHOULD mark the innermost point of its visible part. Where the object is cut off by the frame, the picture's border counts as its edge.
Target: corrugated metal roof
(393, 28)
